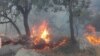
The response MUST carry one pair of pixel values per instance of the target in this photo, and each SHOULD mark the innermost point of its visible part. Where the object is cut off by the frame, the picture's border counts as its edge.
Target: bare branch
(15, 26)
(4, 22)
(20, 8)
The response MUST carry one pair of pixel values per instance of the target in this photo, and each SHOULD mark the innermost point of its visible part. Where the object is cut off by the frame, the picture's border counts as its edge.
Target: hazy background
(58, 21)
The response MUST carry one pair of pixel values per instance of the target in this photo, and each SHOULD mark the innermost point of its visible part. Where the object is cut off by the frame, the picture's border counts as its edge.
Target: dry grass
(65, 51)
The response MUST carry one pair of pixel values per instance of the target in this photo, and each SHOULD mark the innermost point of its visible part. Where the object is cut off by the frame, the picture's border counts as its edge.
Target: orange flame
(92, 38)
(41, 34)
(44, 33)
(62, 42)
(41, 37)
(45, 37)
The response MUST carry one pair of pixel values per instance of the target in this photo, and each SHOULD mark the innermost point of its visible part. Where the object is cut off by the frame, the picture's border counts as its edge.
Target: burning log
(27, 42)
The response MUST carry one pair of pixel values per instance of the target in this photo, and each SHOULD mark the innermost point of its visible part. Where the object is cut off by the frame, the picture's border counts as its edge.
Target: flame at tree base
(52, 45)
(42, 39)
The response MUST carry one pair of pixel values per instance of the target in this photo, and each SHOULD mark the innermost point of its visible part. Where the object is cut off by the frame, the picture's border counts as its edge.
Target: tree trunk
(73, 40)
(27, 30)
(25, 12)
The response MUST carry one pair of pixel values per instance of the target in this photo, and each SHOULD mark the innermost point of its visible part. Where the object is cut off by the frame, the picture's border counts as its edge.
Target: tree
(75, 12)
(23, 7)
(5, 11)
(71, 22)
(75, 8)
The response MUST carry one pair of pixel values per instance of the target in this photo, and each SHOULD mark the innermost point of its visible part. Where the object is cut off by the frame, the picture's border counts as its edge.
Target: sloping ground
(62, 51)
(69, 51)
(25, 52)
(17, 50)
(9, 50)
(66, 50)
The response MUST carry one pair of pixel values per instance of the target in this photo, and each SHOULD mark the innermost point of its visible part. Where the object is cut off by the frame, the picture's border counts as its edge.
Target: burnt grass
(69, 49)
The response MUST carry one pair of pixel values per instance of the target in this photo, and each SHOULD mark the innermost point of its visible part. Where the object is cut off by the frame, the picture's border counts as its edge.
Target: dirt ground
(17, 50)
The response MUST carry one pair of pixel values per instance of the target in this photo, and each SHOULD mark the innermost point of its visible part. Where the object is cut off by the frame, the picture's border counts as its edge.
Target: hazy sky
(95, 4)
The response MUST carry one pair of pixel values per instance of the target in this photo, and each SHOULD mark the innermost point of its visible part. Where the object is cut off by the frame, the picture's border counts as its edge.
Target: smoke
(58, 21)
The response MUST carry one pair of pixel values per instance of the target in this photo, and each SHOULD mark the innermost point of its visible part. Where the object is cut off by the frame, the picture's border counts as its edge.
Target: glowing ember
(63, 42)
(92, 38)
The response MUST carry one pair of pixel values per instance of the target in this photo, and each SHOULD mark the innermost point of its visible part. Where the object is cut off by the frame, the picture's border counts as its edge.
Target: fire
(93, 39)
(41, 37)
(45, 37)
(63, 42)
(91, 35)
(42, 33)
